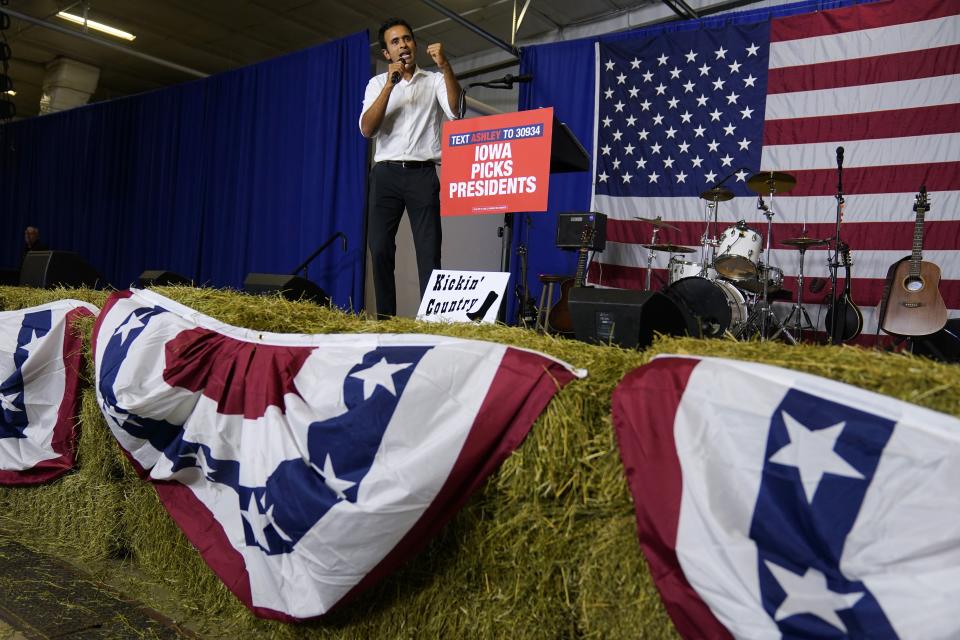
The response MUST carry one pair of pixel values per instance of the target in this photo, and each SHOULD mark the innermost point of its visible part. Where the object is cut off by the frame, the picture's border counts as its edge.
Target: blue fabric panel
(248, 170)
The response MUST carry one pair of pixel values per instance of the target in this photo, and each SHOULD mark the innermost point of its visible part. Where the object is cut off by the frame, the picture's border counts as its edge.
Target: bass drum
(713, 307)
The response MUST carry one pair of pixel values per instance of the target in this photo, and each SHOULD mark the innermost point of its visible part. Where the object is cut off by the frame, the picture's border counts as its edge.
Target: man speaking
(403, 109)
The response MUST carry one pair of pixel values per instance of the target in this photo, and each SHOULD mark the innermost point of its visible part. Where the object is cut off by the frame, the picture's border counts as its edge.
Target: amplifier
(570, 230)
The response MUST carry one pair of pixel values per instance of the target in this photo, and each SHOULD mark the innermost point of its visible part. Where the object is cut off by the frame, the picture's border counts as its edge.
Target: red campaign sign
(496, 164)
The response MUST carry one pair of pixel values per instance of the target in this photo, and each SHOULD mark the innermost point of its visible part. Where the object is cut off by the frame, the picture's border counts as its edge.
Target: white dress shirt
(411, 125)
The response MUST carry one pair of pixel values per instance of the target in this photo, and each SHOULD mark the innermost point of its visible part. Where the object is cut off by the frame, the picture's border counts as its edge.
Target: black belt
(409, 164)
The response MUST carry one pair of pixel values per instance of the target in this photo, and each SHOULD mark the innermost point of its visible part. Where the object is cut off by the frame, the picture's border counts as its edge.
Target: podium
(502, 164)
(567, 155)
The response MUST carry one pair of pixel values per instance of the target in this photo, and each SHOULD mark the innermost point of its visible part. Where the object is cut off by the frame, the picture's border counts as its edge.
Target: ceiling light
(11, 92)
(97, 26)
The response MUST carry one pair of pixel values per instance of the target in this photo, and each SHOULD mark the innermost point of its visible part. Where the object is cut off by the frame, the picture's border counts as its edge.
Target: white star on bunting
(812, 453)
(379, 375)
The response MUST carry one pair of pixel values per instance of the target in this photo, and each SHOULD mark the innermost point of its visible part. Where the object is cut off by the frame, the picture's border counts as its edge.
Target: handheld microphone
(395, 78)
(839, 157)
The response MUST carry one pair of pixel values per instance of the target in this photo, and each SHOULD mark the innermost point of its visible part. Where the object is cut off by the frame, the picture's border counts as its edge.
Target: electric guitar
(849, 318)
(559, 319)
(912, 304)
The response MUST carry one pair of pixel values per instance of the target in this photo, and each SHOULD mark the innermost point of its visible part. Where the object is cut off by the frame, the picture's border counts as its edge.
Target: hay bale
(547, 549)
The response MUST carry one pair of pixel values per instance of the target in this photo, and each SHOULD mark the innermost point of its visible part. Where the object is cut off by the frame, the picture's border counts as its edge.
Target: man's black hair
(390, 23)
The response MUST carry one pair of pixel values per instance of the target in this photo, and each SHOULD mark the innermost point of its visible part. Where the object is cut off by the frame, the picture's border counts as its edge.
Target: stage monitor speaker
(571, 226)
(161, 278)
(624, 317)
(48, 269)
(290, 287)
(943, 345)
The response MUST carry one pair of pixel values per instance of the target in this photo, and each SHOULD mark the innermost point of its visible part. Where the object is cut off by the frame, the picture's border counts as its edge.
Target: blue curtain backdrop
(249, 170)
(563, 78)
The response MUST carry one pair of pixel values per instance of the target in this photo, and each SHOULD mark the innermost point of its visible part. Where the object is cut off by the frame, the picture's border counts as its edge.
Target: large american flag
(304, 468)
(816, 510)
(678, 113)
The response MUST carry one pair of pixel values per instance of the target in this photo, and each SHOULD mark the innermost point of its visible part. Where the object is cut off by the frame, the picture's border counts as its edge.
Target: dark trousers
(394, 188)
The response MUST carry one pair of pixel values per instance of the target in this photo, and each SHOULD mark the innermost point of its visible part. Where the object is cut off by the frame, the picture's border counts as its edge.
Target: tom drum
(680, 269)
(739, 252)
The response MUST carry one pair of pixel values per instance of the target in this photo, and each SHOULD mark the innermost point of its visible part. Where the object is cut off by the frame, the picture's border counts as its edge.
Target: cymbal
(771, 181)
(802, 242)
(657, 222)
(717, 194)
(670, 248)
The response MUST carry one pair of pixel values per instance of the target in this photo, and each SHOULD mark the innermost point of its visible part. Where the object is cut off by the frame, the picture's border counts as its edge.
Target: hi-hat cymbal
(717, 194)
(670, 248)
(771, 182)
(657, 222)
(802, 242)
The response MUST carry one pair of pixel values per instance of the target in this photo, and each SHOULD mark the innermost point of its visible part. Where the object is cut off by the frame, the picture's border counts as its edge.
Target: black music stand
(567, 155)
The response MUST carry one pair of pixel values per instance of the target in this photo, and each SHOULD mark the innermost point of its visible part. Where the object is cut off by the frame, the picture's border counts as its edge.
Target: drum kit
(728, 289)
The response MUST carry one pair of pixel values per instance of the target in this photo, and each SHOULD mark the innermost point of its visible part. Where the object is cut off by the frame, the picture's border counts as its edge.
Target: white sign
(463, 296)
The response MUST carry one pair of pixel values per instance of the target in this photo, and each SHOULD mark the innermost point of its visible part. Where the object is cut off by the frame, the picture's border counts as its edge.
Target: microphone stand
(303, 265)
(834, 264)
(506, 82)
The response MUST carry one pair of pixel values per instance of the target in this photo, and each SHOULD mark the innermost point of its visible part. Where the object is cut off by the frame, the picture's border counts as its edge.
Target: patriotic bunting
(776, 504)
(305, 468)
(40, 357)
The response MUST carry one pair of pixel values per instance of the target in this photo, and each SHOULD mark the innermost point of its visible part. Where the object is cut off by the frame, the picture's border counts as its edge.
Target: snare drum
(714, 307)
(774, 277)
(680, 269)
(739, 252)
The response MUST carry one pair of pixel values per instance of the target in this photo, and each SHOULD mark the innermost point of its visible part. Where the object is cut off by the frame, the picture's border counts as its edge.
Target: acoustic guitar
(912, 304)
(559, 319)
(849, 318)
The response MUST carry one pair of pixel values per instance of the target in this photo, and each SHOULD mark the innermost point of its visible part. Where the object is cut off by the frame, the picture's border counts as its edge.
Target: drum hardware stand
(766, 309)
(798, 309)
(709, 243)
(769, 182)
(657, 224)
(653, 240)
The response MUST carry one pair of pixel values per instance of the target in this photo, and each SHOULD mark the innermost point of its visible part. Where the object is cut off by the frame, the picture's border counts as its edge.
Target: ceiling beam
(682, 9)
(486, 35)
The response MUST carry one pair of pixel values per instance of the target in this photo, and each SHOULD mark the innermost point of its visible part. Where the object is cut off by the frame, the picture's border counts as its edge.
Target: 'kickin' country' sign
(463, 296)
(496, 164)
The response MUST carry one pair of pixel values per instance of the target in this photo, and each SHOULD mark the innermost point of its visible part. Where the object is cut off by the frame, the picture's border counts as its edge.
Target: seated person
(31, 240)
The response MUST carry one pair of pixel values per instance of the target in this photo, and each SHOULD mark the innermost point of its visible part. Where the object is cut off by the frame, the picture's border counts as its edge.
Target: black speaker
(571, 230)
(290, 287)
(943, 345)
(624, 317)
(160, 278)
(48, 269)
